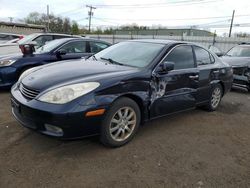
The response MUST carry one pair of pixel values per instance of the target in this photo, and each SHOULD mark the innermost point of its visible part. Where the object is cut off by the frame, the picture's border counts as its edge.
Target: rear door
(208, 71)
(176, 90)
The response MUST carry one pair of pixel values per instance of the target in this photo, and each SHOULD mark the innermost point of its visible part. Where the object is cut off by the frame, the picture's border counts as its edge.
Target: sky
(206, 14)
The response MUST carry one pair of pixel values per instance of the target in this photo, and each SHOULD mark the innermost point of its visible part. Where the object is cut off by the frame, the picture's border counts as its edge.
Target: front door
(75, 50)
(176, 90)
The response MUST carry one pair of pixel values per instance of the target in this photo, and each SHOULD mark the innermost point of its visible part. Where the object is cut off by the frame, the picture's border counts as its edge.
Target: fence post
(113, 38)
(214, 41)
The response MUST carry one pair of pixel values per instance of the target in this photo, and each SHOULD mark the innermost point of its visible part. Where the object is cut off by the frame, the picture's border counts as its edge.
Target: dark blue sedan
(12, 66)
(116, 90)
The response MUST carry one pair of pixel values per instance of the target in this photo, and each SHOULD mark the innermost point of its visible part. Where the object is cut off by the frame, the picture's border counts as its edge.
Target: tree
(66, 25)
(57, 24)
(75, 28)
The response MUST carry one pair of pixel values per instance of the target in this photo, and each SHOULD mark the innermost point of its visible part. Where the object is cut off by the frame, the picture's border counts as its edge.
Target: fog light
(54, 129)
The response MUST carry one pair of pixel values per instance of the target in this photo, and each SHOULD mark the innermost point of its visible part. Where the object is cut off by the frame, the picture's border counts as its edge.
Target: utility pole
(11, 19)
(48, 20)
(231, 26)
(90, 13)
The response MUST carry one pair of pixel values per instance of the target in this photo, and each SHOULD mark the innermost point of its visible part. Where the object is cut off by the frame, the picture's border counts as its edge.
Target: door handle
(194, 77)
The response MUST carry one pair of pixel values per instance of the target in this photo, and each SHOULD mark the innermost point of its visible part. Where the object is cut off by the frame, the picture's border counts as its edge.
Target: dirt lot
(192, 149)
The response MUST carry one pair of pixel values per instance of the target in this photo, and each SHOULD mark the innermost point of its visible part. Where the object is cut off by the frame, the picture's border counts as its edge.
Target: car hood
(67, 72)
(236, 61)
(11, 56)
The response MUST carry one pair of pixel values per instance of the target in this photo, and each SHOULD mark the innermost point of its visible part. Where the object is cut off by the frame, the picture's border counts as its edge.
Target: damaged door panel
(175, 90)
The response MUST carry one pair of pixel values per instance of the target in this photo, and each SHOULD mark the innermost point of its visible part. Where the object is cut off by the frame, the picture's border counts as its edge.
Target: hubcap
(216, 96)
(122, 124)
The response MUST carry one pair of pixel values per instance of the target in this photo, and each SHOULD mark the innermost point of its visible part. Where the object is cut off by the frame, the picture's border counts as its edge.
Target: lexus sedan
(118, 89)
(12, 66)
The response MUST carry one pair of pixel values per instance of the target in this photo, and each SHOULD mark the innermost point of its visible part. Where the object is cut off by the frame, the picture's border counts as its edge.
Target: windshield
(137, 54)
(49, 46)
(27, 39)
(239, 51)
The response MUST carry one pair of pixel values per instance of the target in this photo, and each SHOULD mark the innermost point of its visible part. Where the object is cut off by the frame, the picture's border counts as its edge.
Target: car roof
(81, 38)
(160, 41)
(57, 34)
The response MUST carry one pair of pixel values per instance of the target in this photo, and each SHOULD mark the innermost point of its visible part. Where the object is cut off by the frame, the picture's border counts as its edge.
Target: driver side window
(75, 47)
(182, 56)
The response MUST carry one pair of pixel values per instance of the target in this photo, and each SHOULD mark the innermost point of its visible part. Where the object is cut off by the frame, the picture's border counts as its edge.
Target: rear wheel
(215, 98)
(121, 123)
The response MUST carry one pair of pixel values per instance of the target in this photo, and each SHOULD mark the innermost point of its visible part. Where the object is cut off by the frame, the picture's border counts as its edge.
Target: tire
(215, 98)
(121, 123)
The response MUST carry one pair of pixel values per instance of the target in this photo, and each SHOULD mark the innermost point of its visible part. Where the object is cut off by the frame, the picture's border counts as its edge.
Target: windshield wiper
(112, 61)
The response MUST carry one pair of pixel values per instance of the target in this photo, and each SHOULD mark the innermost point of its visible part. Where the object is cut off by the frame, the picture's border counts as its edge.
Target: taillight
(20, 37)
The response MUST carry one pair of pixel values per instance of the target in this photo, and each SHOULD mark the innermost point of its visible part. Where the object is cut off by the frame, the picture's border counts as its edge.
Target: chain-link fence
(223, 43)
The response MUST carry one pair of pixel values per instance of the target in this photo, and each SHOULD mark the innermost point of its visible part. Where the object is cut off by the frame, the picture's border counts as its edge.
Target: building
(168, 32)
(19, 28)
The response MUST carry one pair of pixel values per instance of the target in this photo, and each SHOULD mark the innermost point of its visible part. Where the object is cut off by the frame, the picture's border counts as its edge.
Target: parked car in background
(37, 39)
(117, 89)
(12, 66)
(5, 37)
(239, 58)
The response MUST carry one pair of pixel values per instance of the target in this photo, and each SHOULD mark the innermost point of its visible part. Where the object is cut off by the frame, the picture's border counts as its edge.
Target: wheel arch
(139, 102)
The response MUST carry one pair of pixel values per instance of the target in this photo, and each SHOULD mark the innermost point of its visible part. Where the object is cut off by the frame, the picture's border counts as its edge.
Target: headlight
(6, 62)
(25, 73)
(68, 93)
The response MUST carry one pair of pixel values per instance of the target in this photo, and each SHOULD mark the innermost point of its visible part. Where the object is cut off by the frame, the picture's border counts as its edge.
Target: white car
(38, 39)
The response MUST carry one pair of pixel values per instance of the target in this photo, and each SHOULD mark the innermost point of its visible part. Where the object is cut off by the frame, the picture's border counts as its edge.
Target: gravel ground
(190, 149)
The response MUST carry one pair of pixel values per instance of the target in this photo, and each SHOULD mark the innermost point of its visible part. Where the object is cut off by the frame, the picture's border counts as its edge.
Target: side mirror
(165, 67)
(61, 52)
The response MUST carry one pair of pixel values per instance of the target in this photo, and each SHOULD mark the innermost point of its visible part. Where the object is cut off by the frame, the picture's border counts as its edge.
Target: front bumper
(241, 81)
(64, 121)
(8, 76)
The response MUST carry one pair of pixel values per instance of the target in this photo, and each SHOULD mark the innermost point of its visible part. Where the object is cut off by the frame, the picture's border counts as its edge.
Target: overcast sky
(171, 13)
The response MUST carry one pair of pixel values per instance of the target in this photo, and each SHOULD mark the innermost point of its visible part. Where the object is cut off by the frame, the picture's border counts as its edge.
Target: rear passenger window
(75, 47)
(60, 36)
(203, 57)
(97, 46)
(182, 56)
(43, 39)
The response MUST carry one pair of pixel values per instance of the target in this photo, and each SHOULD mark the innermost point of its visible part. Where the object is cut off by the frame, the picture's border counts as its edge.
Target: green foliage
(75, 28)
(56, 23)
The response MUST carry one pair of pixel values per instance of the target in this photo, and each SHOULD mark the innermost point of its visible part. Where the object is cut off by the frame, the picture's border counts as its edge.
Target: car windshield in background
(239, 51)
(49, 46)
(137, 54)
(27, 39)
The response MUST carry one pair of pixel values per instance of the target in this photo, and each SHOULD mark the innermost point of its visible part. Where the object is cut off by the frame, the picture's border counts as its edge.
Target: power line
(153, 5)
(176, 19)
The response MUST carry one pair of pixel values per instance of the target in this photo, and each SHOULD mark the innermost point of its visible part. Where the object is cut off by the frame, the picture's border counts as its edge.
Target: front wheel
(121, 123)
(215, 98)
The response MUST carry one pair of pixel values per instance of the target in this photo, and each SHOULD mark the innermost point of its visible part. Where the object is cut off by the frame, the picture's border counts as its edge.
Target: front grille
(27, 92)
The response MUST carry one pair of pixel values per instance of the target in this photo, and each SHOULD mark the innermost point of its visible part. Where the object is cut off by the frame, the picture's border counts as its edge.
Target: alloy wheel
(122, 124)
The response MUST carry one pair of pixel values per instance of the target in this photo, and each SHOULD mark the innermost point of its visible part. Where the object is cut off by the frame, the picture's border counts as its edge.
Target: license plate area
(15, 105)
